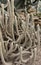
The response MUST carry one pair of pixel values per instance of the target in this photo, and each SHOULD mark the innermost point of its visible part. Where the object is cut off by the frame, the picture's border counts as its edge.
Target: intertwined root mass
(18, 38)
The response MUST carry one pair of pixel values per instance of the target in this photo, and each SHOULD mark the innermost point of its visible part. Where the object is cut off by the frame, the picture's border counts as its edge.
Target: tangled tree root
(18, 38)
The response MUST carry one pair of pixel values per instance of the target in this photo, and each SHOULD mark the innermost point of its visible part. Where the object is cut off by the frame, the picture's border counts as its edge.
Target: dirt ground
(38, 58)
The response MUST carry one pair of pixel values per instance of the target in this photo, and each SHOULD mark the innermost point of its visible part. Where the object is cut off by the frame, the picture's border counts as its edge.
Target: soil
(38, 58)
